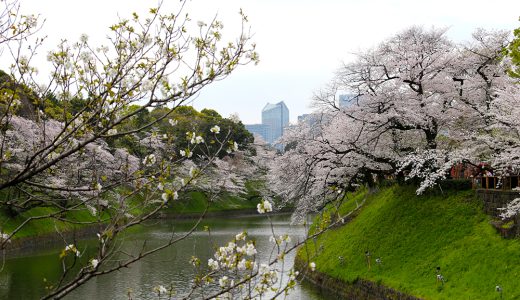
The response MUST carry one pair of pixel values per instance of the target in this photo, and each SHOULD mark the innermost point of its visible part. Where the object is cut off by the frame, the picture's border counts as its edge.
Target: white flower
(312, 265)
(160, 186)
(198, 140)
(160, 290)
(223, 281)
(4, 237)
(191, 135)
(186, 153)
(215, 129)
(149, 160)
(241, 266)
(73, 249)
(272, 239)
(165, 197)
(172, 122)
(83, 38)
(213, 264)
(264, 207)
(285, 238)
(98, 186)
(94, 263)
(293, 275)
(241, 236)
(250, 249)
(100, 237)
(264, 268)
(112, 131)
(92, 210)
(182, 182)
(235, 146)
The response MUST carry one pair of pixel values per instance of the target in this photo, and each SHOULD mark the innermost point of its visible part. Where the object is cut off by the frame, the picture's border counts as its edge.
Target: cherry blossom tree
(420, 104)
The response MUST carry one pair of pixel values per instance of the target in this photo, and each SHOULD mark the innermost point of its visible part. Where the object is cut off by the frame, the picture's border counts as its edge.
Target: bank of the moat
(360, 289)
(49, 231)
(410, 240)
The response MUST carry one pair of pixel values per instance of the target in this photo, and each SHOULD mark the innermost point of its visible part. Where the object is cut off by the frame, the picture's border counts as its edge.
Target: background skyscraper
(276, 116)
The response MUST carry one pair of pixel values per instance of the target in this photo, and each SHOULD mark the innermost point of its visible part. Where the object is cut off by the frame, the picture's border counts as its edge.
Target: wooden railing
(496, 182)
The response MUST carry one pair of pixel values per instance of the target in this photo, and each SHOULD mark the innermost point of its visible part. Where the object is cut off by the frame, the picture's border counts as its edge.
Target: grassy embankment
(196, 202)
(413, 235)
(189, 203)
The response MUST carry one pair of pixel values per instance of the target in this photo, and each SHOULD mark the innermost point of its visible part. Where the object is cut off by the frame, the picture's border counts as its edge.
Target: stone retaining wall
(359, 290)
(493, 199)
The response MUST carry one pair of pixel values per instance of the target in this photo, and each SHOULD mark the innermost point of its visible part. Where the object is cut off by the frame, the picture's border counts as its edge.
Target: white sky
(300, 42)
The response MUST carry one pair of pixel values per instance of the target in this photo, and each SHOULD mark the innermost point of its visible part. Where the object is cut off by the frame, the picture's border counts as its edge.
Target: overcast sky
(301, 42)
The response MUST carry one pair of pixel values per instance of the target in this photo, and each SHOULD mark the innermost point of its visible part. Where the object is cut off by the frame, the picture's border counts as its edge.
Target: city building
(259, 129)
(275, 117)
(310, 119)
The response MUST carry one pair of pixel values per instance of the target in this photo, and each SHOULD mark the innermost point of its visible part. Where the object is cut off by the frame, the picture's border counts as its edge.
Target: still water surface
(26, 277)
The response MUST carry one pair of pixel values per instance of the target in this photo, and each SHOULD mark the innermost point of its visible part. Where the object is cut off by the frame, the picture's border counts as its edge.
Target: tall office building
(276, 116)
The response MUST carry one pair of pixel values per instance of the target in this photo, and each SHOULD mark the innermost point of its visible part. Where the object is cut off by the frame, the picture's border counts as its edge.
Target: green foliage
(187, 119)
(415, 234)
(190, 120)
(513, 51)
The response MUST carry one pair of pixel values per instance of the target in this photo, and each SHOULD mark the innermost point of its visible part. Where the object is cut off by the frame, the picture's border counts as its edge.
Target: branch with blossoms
(58, 140)
(235, 272)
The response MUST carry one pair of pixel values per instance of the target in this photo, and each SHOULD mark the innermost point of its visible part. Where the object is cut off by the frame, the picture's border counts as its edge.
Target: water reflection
(23, 278)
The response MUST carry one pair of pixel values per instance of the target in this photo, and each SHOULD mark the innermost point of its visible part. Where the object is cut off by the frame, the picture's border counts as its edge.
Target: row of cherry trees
(419, 104)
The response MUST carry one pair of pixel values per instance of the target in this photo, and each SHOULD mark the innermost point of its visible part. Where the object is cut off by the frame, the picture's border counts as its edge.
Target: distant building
(303, 118)
(310, 119)
(260, 129)
(345, 100)
(276, 116)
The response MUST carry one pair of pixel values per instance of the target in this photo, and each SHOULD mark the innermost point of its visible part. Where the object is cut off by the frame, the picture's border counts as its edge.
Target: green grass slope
(413, 235)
